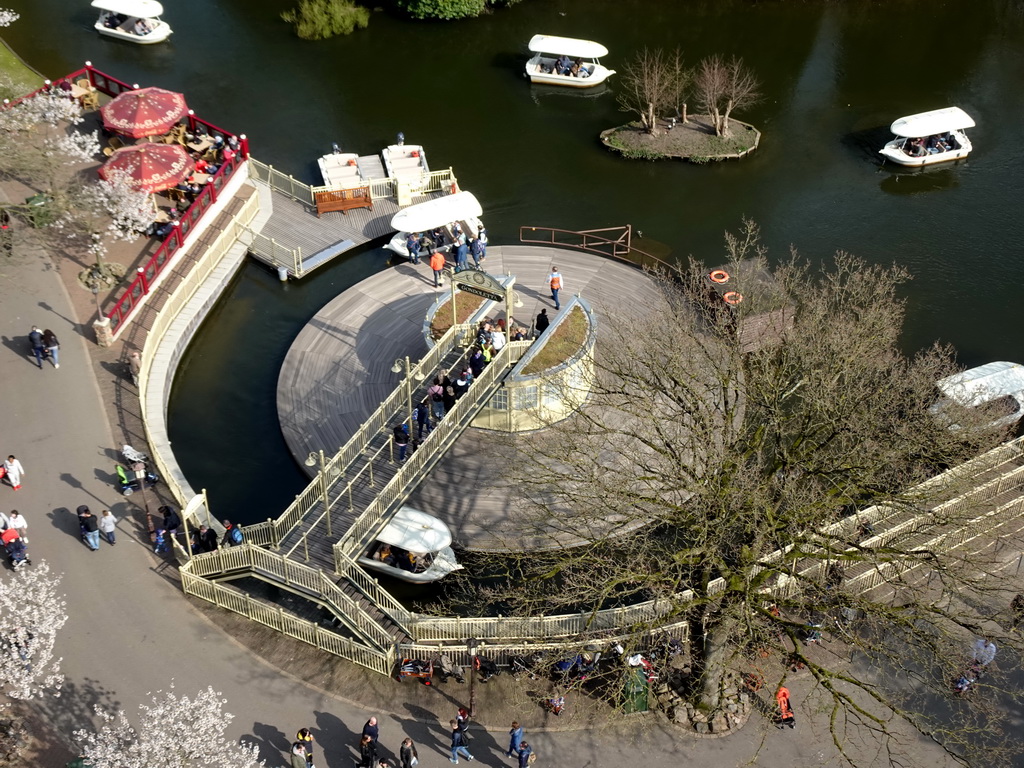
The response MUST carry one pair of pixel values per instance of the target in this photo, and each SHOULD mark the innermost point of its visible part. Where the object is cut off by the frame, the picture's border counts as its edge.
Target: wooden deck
(294, 224)
(338, 371)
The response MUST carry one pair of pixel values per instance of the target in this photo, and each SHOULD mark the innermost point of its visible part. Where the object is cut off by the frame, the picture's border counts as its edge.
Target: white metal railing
(282, 182)
(270, 250)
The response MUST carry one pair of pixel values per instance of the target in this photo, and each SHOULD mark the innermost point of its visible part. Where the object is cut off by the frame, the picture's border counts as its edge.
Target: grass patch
(695, 141)
(562, 343)
(16, 79)
(320, 19)
(466, 305)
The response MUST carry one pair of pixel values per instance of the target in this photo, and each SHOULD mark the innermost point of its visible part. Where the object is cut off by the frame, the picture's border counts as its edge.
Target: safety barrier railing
(288, 574)
(276, 618)
(410, 472)
(269, 249)
(207, 262)
(282, 182)
(138, 290)
(596, 241)
(310, 497)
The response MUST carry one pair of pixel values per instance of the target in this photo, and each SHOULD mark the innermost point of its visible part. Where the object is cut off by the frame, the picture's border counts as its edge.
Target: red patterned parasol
(144, 112)
(150, 167)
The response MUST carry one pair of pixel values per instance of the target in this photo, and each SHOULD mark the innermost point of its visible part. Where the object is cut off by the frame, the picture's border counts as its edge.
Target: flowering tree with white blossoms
(8, 17)
(174, 732)
(31, 616)
(110, 207)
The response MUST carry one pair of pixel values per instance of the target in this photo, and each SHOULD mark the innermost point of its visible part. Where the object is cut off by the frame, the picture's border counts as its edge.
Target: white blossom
(76, 146)
(47, 107)
(8, 17)
(31, 615)
(173, 732)
(131, 210)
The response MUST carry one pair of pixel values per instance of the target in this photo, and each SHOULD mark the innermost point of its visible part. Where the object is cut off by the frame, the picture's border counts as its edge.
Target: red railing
(146, 275)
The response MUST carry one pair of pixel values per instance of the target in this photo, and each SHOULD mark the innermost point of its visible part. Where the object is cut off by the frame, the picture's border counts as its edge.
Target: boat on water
(407, 164)
(567, 62)
(340, 169)
(414, 547)
(930, 137)
(137, 21)
(997, 386)
(440, 213)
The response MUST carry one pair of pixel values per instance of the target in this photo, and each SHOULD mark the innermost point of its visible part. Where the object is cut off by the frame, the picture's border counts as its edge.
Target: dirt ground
(694, 140)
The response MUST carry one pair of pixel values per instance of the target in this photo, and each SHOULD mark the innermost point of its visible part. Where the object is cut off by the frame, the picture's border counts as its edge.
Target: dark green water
(834, 76)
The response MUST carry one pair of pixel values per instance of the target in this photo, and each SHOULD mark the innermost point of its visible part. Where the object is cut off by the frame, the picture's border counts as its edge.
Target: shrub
(442, 9)
(320, 19)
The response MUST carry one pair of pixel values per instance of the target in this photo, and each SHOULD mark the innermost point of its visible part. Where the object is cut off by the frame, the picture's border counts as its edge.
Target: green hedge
(319, 19)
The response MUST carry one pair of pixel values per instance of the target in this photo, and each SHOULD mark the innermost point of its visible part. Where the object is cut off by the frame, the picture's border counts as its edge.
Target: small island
(656, 88)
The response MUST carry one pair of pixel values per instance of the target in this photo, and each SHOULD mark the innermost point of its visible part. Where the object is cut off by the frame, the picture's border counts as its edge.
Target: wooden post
(323, 491)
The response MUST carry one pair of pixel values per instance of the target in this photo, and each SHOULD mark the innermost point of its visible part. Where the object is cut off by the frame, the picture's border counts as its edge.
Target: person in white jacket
(16, 520)
(13, 472)
(108, 524)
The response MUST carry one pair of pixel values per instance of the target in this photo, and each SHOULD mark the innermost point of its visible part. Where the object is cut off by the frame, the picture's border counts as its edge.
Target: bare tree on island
(724, 468)
(653, 83)
(723, 86)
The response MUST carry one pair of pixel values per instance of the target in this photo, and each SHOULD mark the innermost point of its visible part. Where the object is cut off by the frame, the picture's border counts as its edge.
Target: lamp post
(96, 295)
(322, 474)
(140, 474)
(472, 645)
(401, 364)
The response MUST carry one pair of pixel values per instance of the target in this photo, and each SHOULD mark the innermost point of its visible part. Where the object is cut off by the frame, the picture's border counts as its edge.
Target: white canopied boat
(414, 547)
(137, 21)
(567, 61)
(930, 137)
(340, 169)
(462, 207)
(998, 385)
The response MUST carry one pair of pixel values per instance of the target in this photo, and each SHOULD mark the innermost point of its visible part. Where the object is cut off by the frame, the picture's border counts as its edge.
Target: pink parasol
(144, 112)
(150, 167)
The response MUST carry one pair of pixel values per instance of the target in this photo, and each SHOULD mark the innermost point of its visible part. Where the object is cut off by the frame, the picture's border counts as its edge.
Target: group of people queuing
(445, 391)
(408, 756)
(449, 239)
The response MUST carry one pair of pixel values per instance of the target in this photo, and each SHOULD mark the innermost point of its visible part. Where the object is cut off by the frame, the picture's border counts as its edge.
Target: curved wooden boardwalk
(338, 371)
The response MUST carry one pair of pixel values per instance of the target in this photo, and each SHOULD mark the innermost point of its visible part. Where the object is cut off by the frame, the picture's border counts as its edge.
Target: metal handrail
(591, 239)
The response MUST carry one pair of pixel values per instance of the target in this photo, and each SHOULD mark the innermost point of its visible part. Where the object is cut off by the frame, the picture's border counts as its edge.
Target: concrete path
(131, 631)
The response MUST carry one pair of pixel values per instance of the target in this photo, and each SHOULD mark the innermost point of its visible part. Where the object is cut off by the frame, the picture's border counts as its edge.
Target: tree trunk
(725, 119)
(683, 112)
(714, 660)
(651, 120)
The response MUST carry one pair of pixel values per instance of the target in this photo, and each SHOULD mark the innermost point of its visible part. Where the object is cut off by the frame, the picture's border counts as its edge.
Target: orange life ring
(453, 187)
(719, 276)
(733, 298)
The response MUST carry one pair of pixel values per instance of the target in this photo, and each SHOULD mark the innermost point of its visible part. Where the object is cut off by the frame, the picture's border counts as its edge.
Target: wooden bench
(342, 200)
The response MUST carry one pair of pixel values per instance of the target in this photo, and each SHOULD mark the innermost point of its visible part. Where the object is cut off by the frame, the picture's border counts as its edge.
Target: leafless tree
(722, 86)
(653, 83)
(781, 461)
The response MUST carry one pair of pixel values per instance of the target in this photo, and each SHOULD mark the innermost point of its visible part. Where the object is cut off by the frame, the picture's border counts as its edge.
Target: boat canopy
(416, 531)
(986, 382)
(931, 123)
(143, 9)
(570, 46)
(437, 213)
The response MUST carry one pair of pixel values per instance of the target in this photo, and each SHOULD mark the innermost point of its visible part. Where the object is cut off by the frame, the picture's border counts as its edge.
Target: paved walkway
(131, 631)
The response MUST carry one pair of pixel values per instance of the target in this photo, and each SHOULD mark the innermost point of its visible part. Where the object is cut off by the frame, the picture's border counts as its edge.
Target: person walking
(13, 471)
(422, 415)
(90, 529)
(171, 520)
(525, 753)
(367, 752)
(555, 284)
(17, 521)
(371, 729)
(476, 250)
(52, 346)
(407, 754)
(401, 438)
(515, 739)
(786, 716)
(436, 395)
(134, 366)
(412, 244)
(437, 264)
(35, 338)
(108, 524)
(232, 534)
(542, 322)
(459, 744)
(299, 758)
(305, 738)
(984, 651)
